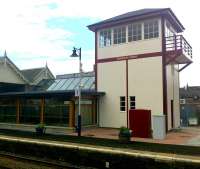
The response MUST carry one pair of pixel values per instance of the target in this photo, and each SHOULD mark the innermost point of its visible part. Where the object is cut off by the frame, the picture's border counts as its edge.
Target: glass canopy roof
(71, 82)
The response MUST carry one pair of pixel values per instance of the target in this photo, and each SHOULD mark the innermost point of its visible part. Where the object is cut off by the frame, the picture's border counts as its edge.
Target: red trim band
(139, 56)
(127, 96)
(95, 67)
(164, 73)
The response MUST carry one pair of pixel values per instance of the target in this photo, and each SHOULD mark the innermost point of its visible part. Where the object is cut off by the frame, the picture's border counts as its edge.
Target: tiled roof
(71, 82)
(137, 13)
(132, 14)
(30, 74)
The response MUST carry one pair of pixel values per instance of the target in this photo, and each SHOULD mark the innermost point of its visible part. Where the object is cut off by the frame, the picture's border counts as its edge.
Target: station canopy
(71, 82)
(62, 86)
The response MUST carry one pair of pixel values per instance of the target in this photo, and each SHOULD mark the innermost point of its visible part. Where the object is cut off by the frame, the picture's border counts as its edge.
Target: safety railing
(177, 43)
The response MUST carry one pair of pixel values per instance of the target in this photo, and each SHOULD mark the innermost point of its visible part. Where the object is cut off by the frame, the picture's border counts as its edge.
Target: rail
(178, 42)
(40, 162)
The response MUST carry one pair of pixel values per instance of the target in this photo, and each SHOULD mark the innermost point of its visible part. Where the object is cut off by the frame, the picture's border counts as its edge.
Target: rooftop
(30, 74)
(138, 14)
(71, 82)
(190, 92)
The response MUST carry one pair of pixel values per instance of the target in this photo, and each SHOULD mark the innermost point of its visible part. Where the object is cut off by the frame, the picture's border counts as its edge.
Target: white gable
(8, 75)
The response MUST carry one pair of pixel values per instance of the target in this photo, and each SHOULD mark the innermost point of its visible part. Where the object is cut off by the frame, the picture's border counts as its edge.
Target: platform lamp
(74, 54)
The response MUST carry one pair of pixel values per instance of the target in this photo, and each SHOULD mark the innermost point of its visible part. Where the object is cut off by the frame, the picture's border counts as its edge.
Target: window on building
(119, 35)
(134, 32)
(30, 111)
(132, 102)
(122, 103)
(8, 110)
(151, 29)
(56, 112)
(105, 38)
(168, 30)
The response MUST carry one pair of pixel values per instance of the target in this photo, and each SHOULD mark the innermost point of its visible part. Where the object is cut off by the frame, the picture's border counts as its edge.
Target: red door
(140, 123)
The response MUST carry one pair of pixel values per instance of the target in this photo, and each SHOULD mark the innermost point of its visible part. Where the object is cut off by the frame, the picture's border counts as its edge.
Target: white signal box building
(138, 58)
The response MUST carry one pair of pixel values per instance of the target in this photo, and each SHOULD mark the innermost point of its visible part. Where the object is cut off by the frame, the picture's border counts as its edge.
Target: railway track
(13, 161)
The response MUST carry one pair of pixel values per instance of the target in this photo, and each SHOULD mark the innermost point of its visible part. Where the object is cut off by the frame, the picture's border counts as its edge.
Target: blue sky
(38, 31)
(82, 37)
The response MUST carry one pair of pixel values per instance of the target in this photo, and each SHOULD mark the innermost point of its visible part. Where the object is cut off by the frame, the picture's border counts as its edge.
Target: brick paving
(180, 136)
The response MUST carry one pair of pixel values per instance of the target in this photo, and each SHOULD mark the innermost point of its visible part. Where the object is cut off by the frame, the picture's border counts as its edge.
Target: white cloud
(24, 30)
(59, 65)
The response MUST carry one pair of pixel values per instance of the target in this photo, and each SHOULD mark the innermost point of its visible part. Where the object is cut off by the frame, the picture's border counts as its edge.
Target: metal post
(74, 54)
(17, 110)
(175, 42)
(42, 102)
(79, 92)
(71, 114)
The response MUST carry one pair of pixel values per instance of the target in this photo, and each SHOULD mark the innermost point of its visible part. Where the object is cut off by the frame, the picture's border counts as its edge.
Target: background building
(36, 75)
(190, 105)
(10, 73)
(52, 102)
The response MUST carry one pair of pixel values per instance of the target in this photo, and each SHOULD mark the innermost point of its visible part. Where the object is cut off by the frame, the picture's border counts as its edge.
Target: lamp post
(74, 54)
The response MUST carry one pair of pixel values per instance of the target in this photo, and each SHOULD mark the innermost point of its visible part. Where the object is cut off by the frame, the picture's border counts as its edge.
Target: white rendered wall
(173, 94)
(131, 48)
(170, 92)
(145, 83)
(176, 100)
(112, 80)
(8, 75)
(145, 78)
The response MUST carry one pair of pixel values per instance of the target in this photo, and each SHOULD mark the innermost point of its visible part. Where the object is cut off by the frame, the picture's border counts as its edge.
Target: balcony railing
(178, 43)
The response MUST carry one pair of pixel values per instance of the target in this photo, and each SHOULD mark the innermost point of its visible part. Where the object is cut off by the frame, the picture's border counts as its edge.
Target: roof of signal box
(138, 15)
